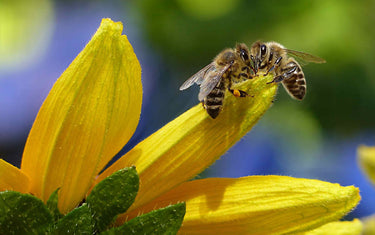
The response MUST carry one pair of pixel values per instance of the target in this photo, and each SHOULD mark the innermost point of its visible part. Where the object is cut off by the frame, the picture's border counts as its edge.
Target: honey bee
(273, 57)
(229, 66)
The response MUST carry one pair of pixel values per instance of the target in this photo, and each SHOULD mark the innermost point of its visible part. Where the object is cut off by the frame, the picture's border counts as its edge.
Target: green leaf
(113, 196)
(52, 205)
(78, 221)
(23, 213)
(166, 220)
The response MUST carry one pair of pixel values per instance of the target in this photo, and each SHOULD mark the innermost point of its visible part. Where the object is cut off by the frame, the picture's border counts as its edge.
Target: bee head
(243, 53)
(258, 53)
(226, 57)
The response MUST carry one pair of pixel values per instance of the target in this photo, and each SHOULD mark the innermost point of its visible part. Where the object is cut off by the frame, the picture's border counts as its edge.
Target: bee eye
(262, 50)
(244, 55)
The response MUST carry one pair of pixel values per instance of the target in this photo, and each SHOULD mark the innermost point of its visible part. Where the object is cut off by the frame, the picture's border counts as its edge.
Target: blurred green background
(315, 138)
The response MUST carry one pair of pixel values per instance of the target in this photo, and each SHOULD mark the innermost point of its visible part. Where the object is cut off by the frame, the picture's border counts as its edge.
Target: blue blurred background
(316, 138)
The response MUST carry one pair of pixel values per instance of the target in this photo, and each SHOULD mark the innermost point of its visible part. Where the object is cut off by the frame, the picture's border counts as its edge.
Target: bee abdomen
(213, 111)
(213, 103)
(296, 85)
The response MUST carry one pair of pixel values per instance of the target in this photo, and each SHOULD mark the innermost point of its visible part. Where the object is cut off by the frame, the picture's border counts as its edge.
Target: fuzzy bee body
(229, 66)
(213, 102)
(295, 84)
(273, 57)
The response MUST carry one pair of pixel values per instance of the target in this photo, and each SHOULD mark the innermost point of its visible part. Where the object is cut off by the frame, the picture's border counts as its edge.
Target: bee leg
(269, 71)
(244, 76)
(254, 66)
(284, 76)
(238, 93)
(251, 66)
(274, 66)
(277, 79)
(254, 71)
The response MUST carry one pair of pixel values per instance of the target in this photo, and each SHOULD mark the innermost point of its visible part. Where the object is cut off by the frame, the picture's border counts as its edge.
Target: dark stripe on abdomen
(214, 102)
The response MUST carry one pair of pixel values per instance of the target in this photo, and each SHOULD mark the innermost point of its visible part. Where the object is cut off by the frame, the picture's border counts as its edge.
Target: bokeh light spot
(25, 31)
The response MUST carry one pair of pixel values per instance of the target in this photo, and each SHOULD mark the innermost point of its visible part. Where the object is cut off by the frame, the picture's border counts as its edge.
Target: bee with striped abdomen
(229, 66)
(273, 57)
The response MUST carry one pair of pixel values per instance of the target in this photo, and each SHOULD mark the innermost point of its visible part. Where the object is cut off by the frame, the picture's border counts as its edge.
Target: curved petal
(368, 225)
(366, 158)
(11, 178)
(193, 141)
(88, 116)
(256, 204)
(338, 228)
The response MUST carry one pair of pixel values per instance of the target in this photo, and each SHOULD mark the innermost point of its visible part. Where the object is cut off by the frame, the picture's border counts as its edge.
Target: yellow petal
(369, 225)
(338, 228)
(11, 178)
(256, 204)
(88, 116)
(366, 158)
(193, 141)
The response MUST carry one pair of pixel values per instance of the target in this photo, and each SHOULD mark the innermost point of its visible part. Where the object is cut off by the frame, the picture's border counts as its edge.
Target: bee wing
(305, 58)
(211, 79)
(197, 78)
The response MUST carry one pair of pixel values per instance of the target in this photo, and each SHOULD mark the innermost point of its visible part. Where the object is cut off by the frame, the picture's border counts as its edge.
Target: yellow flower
(369, 225)
(366, 159)
(93, 110)
(338, 228)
